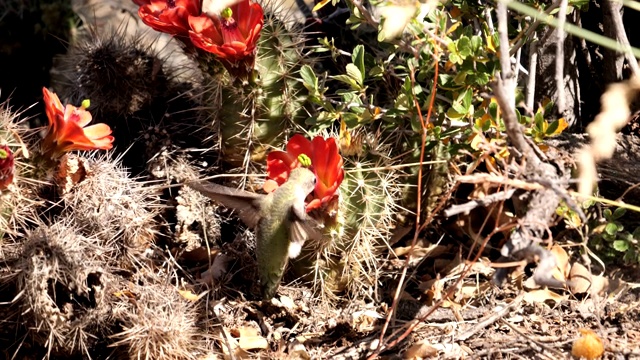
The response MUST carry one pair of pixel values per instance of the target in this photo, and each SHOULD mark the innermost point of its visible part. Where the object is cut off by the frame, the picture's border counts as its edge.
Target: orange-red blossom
(326, 163)
(168, 16)
(232, 36)
(7, 166)
(68, 129)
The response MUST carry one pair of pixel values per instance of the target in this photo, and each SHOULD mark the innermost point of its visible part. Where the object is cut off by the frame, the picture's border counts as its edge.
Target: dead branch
(621, 35)
(492, 318)
(562, 17)
(485, 201)
(538, 207)
(531, 83)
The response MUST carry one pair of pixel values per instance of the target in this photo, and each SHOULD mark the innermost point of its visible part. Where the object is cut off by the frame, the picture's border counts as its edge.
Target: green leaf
(458, 106)
(461, 78)
(309, 79)
(452, 48)
(611, 228)
(452, 113)
(552, 127)
(620, 245)
(476, 43)
(486, 126)
(354, 73)
(467, 98)
(357, 57)
(607, 214)
(464, 47)
(548, 107)
(376, 71)
(455, 58)
(493, 109)
(539, 121)
(347, 79)
(480, 78)
(579, 3)
(618, 213)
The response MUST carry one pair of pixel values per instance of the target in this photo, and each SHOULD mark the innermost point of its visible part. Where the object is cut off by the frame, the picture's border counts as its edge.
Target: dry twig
(540, 207)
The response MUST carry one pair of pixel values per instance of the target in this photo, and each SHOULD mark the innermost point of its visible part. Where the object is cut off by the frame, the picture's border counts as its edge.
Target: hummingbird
(279, 218)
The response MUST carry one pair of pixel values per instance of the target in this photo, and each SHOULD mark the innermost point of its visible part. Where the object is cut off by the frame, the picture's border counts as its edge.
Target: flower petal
(97, 131)
(313, 204)
(298, 144)
(279, 165)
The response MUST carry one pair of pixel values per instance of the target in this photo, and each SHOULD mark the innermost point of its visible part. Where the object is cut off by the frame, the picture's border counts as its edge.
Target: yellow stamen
(304, 160)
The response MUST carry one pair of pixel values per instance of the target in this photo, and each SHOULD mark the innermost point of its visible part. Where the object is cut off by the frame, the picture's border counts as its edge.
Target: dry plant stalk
(602, 131)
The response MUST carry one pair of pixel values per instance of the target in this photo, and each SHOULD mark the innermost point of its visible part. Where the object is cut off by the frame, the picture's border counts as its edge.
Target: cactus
(18, 197)
(369, 201)
(357, 220)
(160, 324)
(106, 203)
(121, 74)
(254, 117)
(63, 277)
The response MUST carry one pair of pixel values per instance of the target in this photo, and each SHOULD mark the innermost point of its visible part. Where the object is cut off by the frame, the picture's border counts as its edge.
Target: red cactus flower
(7, 166)
(68, 129)
(326, 162)
(168, 16)
(232, 36)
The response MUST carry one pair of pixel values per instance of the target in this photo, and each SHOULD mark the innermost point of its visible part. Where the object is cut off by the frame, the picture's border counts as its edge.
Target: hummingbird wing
(245, 203)
(300, 232)
(302, 228)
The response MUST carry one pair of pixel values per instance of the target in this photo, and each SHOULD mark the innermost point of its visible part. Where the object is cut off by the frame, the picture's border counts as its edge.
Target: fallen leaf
(230, 348)
(530, 284)
(421, 250)
(187, 294)
(249, 338)
(287, 302)
(297, 350)
(364, 321)
(542, 295)
(420, 350)
(588, 346)
(562, 263)
(582, 281)
(432, 289)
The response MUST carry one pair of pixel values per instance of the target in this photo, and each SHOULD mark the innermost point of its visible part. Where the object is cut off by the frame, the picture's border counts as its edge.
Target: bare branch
(562, 17)
(531, 82)
(532, 27)
(503, 34)
(485, 201)
(621, 35)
